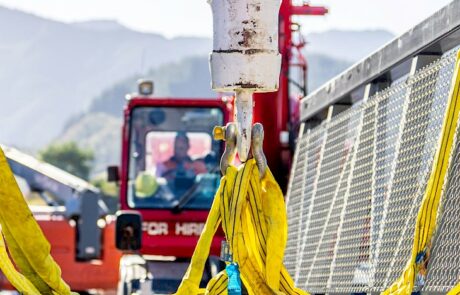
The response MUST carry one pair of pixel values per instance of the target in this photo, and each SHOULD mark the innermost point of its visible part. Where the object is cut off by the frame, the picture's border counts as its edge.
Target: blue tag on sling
(234, 281)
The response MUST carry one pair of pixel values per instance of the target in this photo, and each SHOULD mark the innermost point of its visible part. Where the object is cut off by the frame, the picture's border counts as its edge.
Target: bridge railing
(357, 186)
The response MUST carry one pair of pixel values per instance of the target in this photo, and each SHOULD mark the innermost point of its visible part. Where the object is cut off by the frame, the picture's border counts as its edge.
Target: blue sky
(193, 17)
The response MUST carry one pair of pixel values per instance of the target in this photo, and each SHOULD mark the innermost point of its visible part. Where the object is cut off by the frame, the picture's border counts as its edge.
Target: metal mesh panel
(419, 138)
(313, 155)
(321, 227)
(355, 209)
(352, 252)
(294, 196)
(390, 108)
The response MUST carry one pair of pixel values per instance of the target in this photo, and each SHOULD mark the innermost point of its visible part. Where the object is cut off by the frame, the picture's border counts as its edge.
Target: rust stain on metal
(248, 51)
(254, 51)
(228, 51)
(244, 85)
(247, 35)
(245, 133)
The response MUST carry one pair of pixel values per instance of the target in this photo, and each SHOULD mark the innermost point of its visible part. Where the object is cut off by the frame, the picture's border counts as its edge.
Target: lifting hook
(229, 133)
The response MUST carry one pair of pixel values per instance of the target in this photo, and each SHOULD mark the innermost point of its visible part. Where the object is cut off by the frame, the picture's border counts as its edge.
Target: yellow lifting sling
(38, 272)
(253, 216)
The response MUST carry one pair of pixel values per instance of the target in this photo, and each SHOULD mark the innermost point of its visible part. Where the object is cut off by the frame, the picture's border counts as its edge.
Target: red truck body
(164, 232)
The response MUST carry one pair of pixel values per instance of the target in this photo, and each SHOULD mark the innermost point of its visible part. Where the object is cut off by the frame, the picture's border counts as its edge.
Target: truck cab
(169, 175)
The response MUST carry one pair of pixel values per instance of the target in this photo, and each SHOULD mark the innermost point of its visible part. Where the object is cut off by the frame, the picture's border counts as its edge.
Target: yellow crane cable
(27, 245)
(253, 217)
(426, 218)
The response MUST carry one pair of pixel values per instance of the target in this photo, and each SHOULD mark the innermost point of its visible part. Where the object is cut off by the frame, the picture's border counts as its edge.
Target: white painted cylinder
(245, 45)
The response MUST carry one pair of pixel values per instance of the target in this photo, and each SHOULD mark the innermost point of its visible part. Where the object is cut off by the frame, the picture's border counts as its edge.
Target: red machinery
(278, 111)
(173, 204)
(170, 228)
(74, 220)
(171, 224)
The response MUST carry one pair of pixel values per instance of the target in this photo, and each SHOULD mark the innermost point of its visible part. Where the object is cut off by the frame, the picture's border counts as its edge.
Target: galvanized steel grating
(294, 196)
(444, 264)
(319, 232)
(357, 187)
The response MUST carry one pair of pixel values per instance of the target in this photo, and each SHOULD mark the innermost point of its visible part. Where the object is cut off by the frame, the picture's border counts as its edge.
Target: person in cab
(181, 169)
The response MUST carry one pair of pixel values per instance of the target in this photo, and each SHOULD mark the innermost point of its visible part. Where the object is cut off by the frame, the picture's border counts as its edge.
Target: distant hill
(187, 78)
(100, 25)
(50, 71)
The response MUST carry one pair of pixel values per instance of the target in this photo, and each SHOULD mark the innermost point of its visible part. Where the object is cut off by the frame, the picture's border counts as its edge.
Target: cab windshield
(173, 162)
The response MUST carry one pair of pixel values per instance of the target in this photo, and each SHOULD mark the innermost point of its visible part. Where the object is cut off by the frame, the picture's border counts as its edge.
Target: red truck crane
(170, 164)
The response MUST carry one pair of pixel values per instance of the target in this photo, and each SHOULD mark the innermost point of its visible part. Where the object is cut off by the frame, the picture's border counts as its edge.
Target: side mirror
(113, 174)
(128, 234)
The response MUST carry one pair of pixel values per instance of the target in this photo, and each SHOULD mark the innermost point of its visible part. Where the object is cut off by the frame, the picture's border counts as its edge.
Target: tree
(69, 157)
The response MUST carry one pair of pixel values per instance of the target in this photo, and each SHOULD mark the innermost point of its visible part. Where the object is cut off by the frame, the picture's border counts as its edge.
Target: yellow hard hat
(146, 184)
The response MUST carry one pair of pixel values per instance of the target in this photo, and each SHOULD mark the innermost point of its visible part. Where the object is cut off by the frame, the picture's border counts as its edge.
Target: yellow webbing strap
(27, 246)
(455, 290)
(13, 276)
(253, 217)
(426, 218)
